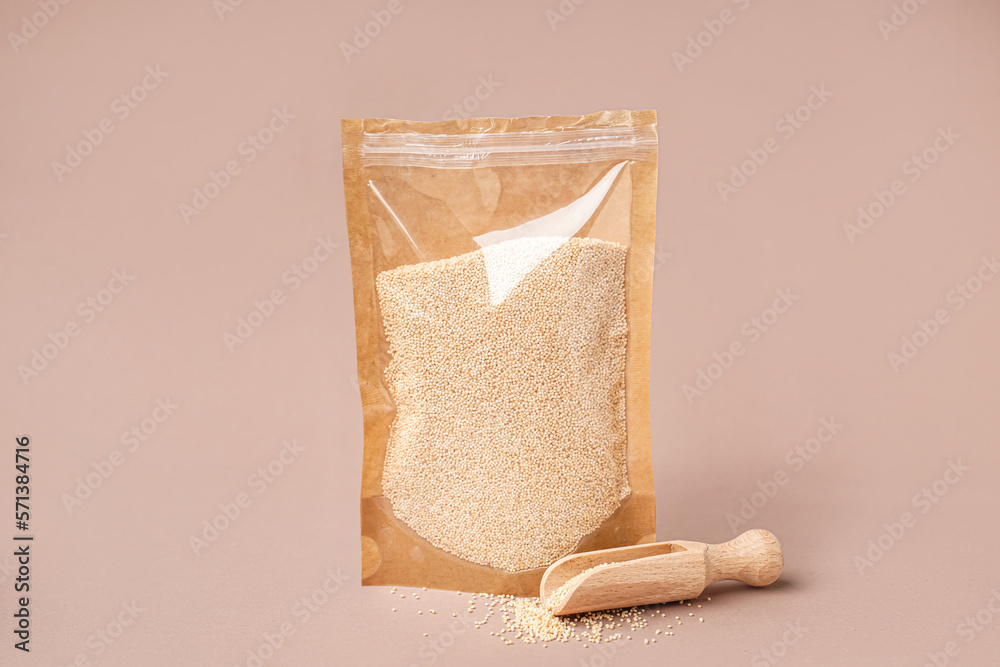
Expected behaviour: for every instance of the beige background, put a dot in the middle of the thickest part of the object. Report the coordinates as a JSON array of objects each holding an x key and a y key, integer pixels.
[{"x": 721, "y": 262}]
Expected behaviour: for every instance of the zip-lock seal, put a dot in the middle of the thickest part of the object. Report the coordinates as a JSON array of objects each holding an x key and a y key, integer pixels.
[{"x": 465, "y": 151}]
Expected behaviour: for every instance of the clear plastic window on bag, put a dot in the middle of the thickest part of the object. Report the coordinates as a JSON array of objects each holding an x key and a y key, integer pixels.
[{"x": 502, "y": 272}]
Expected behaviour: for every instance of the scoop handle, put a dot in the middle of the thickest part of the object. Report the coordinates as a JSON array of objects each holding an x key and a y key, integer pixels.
[{"x": 755, "y": 558}]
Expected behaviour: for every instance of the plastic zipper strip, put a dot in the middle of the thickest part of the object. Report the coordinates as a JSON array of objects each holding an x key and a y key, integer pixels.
[{"x": 464, "y": 151}]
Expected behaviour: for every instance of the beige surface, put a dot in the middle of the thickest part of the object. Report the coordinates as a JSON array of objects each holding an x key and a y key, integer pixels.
[{"x": 777, "y": 242}]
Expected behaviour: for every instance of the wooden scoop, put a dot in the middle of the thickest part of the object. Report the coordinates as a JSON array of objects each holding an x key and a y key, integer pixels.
[{"x": 660, "y": 572}]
